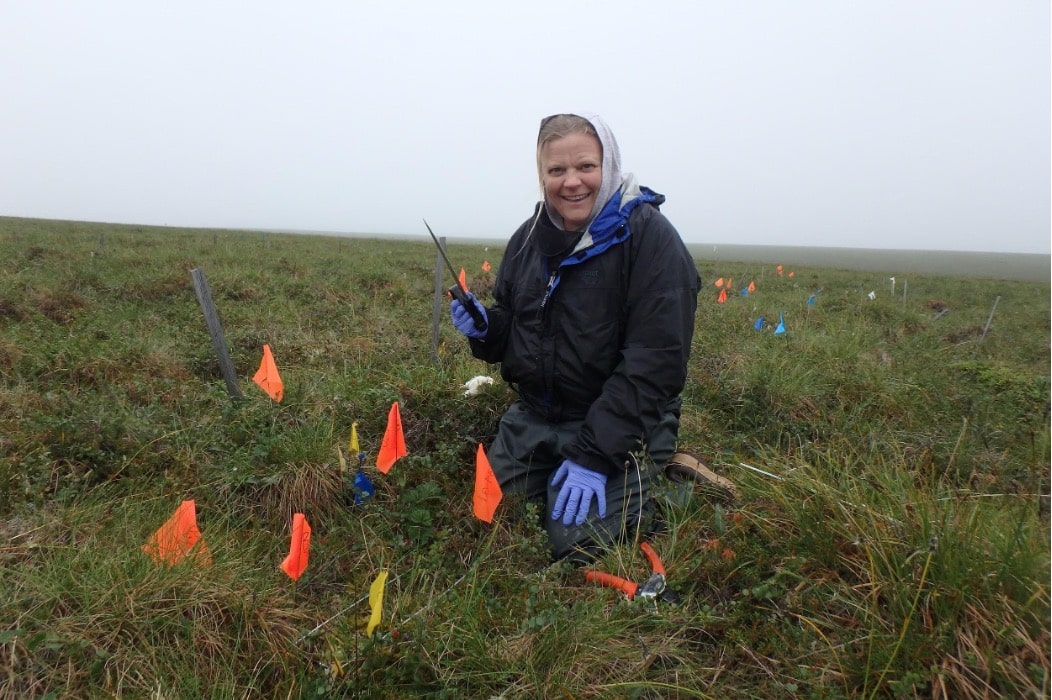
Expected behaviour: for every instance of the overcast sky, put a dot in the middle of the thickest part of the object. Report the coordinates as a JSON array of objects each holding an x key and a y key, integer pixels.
[{"x": 918, "y": 124}]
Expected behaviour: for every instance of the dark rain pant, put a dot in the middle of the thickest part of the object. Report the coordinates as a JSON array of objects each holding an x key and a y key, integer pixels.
[{"x": 528, "y": 450}]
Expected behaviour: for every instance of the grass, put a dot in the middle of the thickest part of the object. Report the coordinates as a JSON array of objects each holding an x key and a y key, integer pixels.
[{"x": 894, "y": 542}]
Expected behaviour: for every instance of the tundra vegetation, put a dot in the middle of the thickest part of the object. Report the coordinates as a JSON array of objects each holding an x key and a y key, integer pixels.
[{"x": 897, "y": 544}]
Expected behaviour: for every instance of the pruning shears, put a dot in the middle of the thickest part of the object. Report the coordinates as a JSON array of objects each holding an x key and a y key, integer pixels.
[{"x": 654, "y": 588}]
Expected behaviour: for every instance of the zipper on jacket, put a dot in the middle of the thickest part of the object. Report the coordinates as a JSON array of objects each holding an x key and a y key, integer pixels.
[{"x": 550, "y": 288}]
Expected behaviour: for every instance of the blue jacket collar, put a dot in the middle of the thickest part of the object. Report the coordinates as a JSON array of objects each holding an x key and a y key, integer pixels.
[{"x": 610, "y": 226}]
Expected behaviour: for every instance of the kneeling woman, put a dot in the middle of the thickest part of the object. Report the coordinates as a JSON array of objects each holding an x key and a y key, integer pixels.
[{"x": 591, "y": 323}]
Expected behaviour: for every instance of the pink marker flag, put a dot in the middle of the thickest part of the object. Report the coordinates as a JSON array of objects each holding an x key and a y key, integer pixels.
[{"x": 299, "y": 549}]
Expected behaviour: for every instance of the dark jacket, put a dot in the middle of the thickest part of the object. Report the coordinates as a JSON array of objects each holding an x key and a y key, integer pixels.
[{"x": 610, "y": 342}]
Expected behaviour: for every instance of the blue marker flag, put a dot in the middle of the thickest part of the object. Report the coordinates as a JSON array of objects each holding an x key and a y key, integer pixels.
[
  {"x": 781, "y": 325},
  {"x": 811, "y": 300},
  {"x": 759, "y": 324},
  {"x": 363, "y": 488}
]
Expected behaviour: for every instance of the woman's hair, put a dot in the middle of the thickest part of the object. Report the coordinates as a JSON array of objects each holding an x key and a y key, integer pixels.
[{"x": 556, "y": 127}]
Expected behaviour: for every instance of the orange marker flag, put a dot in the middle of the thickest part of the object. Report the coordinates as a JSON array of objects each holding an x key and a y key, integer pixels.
[
  {"x": 463, "y": 279},
  {"x": 485, "y": 266},
  {"x": 393, "y": 446},
  {"x": 752, "y": 287},
  {"x": 267, "y": 376},
  {"x": 722, "y": 297},
  {"x": 719, "y": 282},
  {"x": 487, "y": 490},
  {"x": 299, "y": 549},
  {"x": 177, "y": 538}
]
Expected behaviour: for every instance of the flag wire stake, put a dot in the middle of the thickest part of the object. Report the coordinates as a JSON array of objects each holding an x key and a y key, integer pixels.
[
  {"x": 336, "y": 615},
  {"x": 760, "y": 471},
  {"x": 366, "y": 597}
]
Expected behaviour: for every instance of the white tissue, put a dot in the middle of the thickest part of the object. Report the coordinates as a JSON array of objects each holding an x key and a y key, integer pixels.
[{"x": 474, "y": 385}]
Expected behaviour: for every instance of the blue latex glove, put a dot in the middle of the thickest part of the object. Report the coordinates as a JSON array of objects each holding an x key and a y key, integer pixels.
[
  {"x": 462, "y": 319},
  {"x": 575, "y": 496}
]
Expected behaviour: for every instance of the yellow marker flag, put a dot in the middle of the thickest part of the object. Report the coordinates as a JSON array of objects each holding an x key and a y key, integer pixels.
[
  {"x": 376, "y": 602},
  {"x": 355, "y": 449}
]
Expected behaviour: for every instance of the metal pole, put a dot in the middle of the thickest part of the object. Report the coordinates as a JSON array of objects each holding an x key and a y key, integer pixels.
[
  {"x": 989, "y": 319},
  {"x": 436, "y": 311},
  {"x": 204, "y": 296}
]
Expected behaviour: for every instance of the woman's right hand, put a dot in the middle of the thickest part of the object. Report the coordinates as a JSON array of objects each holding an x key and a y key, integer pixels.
[{"x": 462, "y": 320}]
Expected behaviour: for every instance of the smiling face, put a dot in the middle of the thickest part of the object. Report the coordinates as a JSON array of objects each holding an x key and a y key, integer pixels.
[{"x": 571, "y": 174}]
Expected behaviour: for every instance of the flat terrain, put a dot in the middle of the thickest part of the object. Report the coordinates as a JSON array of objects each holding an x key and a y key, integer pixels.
[{"x": 891, "y": 453}]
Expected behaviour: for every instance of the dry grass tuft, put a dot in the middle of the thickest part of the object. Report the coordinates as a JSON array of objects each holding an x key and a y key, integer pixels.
[
  {"x": 972, "y": 673},
  {"x": 60, "y": 307},
  {"x": 314, "y": 489}
]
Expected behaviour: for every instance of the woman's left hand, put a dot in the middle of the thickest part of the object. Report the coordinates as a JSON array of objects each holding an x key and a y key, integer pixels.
[{"x": 575, "y": 496}]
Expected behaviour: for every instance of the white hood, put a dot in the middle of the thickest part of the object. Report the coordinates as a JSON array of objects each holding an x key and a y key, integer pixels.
[{"x": 612, "y": 177}]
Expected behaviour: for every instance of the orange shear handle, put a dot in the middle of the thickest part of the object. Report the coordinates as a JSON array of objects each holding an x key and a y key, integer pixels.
[
  {"x": 624, "y": 585},
  {"x": 655, "y": 561}
]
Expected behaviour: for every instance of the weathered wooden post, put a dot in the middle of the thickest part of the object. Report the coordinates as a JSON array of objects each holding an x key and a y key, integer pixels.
[
  {"x": 436, "y": 311},
  {"x": 204, "y": 296}
]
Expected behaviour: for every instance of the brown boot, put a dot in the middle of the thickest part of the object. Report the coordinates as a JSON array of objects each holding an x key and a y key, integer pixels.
[{"x": 683, "y": 467}]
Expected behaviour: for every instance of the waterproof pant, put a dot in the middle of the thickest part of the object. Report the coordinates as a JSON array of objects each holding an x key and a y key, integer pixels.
[{"x": 528, "y": 450}]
